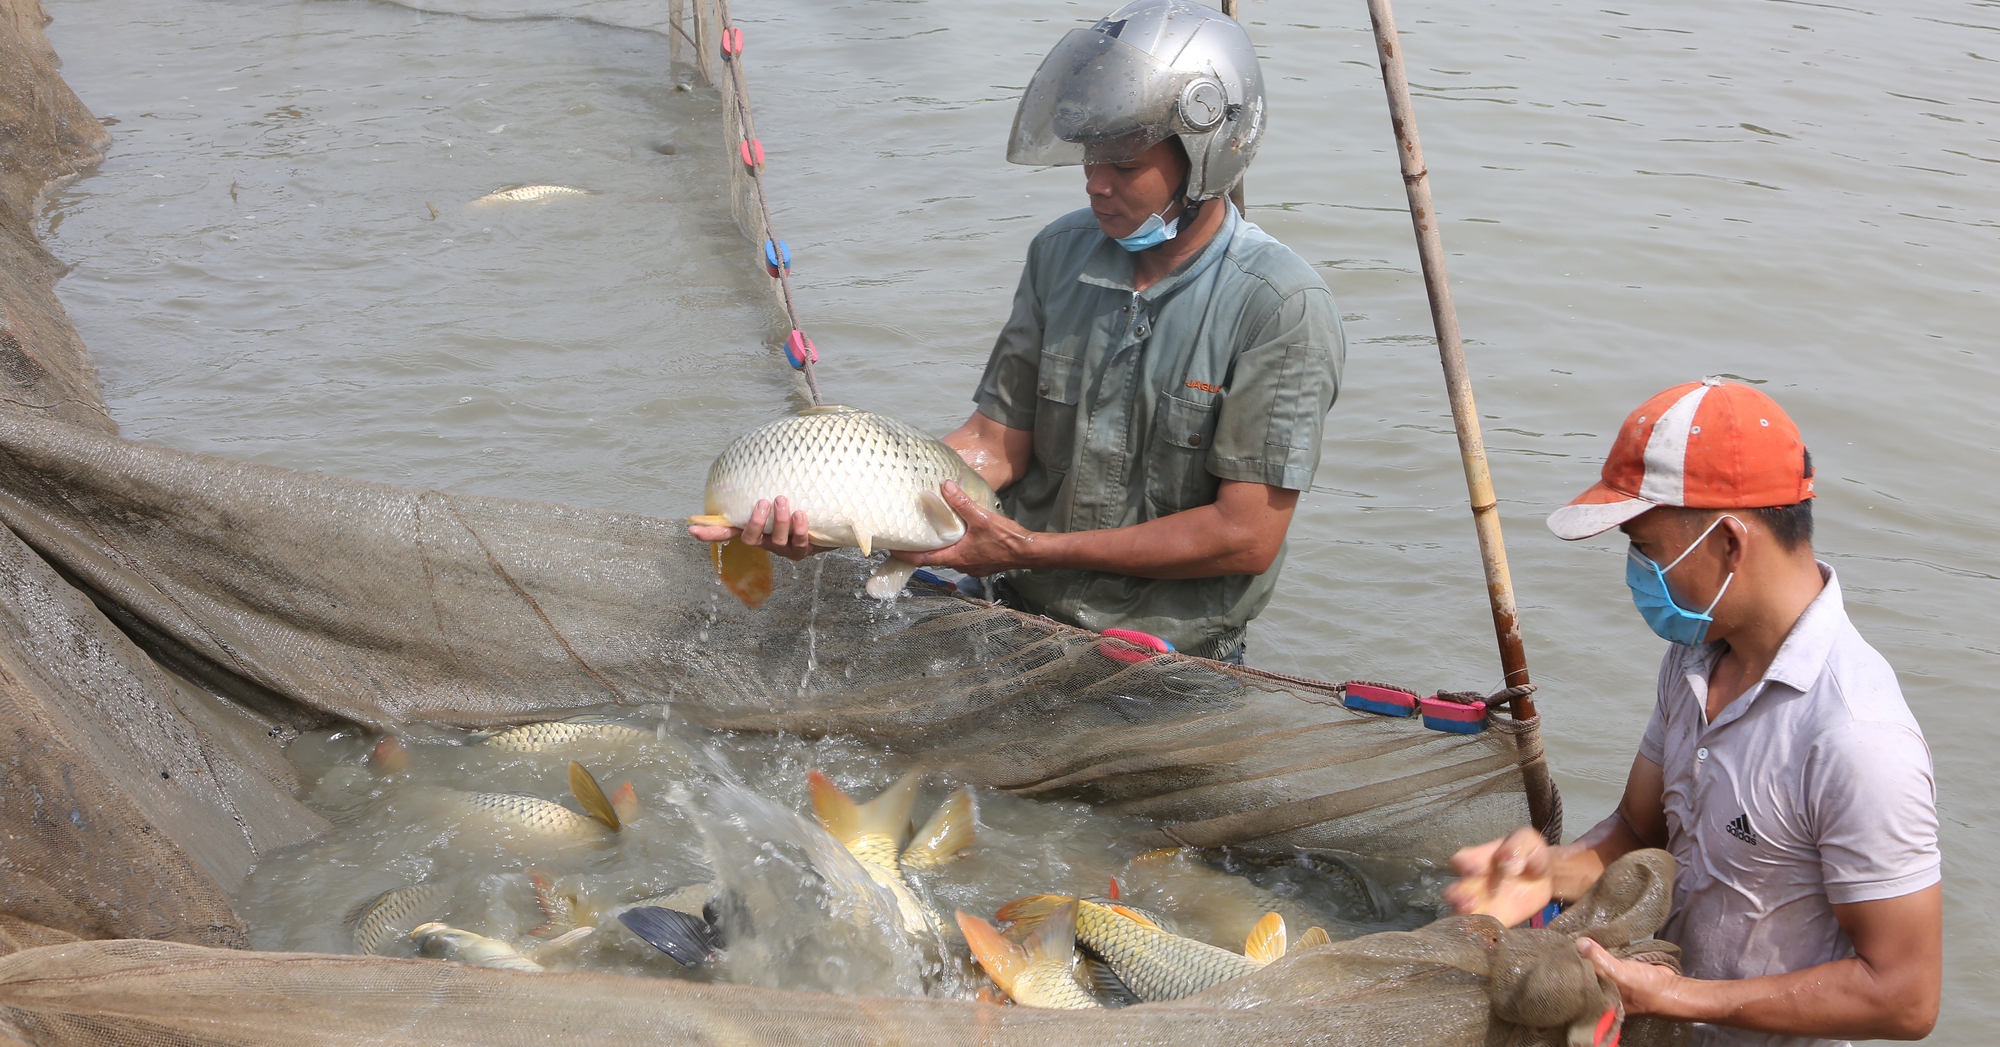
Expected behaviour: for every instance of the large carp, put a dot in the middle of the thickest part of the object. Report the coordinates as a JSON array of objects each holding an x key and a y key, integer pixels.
[{"x": 863, "y": 480}]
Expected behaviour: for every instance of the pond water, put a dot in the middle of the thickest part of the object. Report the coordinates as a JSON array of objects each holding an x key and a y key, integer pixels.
[{"x": 1633, "y": 195}]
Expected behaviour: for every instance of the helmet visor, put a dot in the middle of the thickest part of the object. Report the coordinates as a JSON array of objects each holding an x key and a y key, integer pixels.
[{"x": 1095, "y": 100}]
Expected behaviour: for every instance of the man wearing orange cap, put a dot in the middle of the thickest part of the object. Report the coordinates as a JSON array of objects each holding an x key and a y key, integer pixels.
[{"x": 1781, "y": 766}]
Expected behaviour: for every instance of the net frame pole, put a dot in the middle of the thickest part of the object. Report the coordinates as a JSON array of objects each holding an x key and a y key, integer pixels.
[{"x": 1451, "y": 350}]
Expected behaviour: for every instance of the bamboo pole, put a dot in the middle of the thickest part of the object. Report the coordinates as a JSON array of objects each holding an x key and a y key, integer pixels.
[{"x": 1464, "y": 416}]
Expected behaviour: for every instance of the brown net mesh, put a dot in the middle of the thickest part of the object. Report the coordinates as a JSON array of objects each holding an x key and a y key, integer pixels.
[{"x": 132, "y": 801}]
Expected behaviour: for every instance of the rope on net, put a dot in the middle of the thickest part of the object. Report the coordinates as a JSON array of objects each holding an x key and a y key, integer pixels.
[{"x": 799, "y": 349}]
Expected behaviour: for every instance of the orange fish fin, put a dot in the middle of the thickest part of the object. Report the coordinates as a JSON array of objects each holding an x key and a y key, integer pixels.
[
  {"x": 625, "y": 801},
  {"x": 390, "y": 755},
  {"x": 558, "y": 912},
  {"x": 1267, "y": 939},
  {"x": 1136, "y": 916},
  {"x": 1028, "y": 913},
  {"x": 1003, "y": 960},
  {"x": 745, "y": 570},
  {"x": 948, "y": 832},
  {"x": 1055, "y": 939},
  {"x": 1316, "y": 936},
  {"x": 710, "y": 520}
]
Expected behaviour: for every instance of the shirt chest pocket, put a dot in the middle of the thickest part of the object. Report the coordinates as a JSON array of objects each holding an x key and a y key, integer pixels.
[
  {"x": 1177, "y": 475},
  {"x": 1058, "y": 386}
]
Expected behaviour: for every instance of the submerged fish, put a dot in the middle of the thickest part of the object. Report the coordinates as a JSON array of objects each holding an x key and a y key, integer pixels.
[
  {"x": 862, "y": 479},
  {"x": 677, "y": 923},
  {"x": 550, "y": 820},
  {"x": 1218, "y": 905},
  {"x": 530, "y": 194},
  {"x": 874, "y": 833},
  {"x": 391, "y": 915},
  {"x": 556, "y": 734},
  {"x": 1154, "y": 964},
  {"x": 450, "y": 943},
  {"x": 1041, "y": 973}
]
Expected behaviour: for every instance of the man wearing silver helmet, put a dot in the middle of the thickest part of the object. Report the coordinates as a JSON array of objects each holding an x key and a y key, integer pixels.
[{"x": 1153, "y": 407}]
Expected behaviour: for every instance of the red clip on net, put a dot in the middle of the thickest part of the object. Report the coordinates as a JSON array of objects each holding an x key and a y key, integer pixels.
[
  {"x": 753, "y": 153},
  {"x": 732, "y": 43},
  {"x": 799, "y": 349}
]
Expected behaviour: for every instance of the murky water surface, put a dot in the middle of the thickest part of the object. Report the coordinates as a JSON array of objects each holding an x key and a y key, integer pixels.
[{"x": 1634, "y": 195}]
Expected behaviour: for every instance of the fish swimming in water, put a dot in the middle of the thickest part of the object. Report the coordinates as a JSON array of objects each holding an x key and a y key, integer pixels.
[
  {"x": 875, "y": 833},
  {"x": 678, "y": 923},
  {"x": 391, "y": 915},
  {"x": 1155, "y": 965},
  {"x": 862, "y": 479},
  {"x": 1039, "y": 974},
  {"x": 549, "y": 820},
  {"x": 530, "y": 194},
  {"x": 1216, "y": 905},
  {"x": 557, "y": 734},
  {"x": 446, "y": 942}
]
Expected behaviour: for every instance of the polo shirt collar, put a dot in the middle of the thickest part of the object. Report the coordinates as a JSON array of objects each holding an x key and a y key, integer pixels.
[
  {"x": 1111, "y": 265},
  {"x": 1800, "y": 659}
]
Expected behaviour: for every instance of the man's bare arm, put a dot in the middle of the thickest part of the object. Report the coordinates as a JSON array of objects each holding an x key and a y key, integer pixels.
[
  {"x": 1241, "y": 532},
  {"x": 1888, "y": 989},
  {"x": 1513, "y": 878},
  {"x": 998, "y": 453}
]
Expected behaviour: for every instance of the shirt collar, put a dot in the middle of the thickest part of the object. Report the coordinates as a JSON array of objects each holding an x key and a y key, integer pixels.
[
  {"x": 1111, "y": 265},
  {"x": 1800, "y": 659}
]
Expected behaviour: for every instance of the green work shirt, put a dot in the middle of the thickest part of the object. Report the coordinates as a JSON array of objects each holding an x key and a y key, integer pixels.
[{"x": 1143, "y": 402}]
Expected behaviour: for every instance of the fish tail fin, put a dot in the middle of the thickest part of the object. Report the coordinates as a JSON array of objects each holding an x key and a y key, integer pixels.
[
  {"x": 591, "y": 796},
  {"x": 1316, "y": 936},
  {"x": 625, "y": 801},
  {"x": 745, "y": 570},
  {"x": 1003, "y": 960},
  {"x": 889, "y": 578},
  {"x": 1055, "y": 940},
  {"x": 946, "y": 834},
  {"x": 690, "y": 940},
  {"x": 1027, "y": 914},
  {"x": 558, "y": 911},
  {"x": 1267, "y": 940}
]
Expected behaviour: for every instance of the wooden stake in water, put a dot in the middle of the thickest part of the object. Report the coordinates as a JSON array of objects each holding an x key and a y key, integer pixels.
[{"x": 1464, "y": 416}]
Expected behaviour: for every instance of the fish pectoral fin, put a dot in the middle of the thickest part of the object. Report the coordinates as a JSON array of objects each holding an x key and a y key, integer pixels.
[
  {"x": 1097, "y": 976},
  {"x": 710, "y": 520},
  {"x": 938, "y": 513},
  {"x": 1003, "y": 960},
  {"x": 1267, "y": 940},
  {"x": 864, "y": 541},
  {"x": 1316, "y": 936},
  {"x": 591, "y": 796},
  {"x": 946, "y": 834},
  {"x": 889, "y": 577},
  {"x": 688, "y": 939},
  {"x": 745, "y": 570}
]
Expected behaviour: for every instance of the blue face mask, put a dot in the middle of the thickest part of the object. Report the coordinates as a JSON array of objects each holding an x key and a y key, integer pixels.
[
  {"x": 1648, "y": 582},
  {"x": 1151, "y": 233}
]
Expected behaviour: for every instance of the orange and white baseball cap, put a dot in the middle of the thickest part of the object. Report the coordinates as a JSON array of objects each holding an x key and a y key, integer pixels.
[{"x": 1704, "y": 445}]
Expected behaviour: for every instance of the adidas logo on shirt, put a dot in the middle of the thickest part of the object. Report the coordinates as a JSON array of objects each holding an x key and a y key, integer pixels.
[{"x": 1740, "y": 828}]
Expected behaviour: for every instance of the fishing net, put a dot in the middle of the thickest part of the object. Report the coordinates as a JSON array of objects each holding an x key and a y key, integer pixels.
[{"x": 169, "y": 620}]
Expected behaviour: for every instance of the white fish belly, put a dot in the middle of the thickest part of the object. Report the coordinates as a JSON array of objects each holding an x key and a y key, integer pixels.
[{"x": 852, "y": 473}]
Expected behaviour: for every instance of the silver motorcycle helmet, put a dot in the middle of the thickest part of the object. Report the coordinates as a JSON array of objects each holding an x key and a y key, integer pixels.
[{"x": 1149, "y": 71}]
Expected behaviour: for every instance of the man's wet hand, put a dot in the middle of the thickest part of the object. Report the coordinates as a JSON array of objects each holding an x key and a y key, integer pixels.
[
  {"x": 1509, "y": 879},
  {"x": 991, "y": 543},
  {"x": 790, "y": 532}
]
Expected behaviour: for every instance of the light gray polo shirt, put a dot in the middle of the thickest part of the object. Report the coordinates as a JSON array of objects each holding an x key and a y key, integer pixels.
[
  {"x": 1812, "y": 789},
  {"x": 1143, "y": 402}
]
